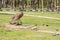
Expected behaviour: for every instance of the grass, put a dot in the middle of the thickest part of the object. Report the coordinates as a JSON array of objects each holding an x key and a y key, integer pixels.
[
  {"x": 49, "y": 14},
  {"x": 24, "y": 34},
  {"x": 53, "y": 24}
]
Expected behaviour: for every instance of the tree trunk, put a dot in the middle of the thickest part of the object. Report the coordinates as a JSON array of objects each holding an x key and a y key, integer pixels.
[
  {"x": 0, "y": 4},
  {"x": 38, "y": 3}
]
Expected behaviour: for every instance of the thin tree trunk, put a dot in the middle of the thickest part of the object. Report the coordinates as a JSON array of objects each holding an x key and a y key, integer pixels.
[
  {"x": 38, "y": 3},
  {"x": 0, "y": 4},
  {"x": 42, "y": 5}
]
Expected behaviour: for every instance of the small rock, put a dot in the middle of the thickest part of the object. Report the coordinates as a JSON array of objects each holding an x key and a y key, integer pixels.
[
  {"x": 57, "y": 33},
  {"x": 35, "y": 25},
  {"x": 45, "y": 25},
  {"x": 57, "y": 29},
  {"x": 34, "y": 28}
]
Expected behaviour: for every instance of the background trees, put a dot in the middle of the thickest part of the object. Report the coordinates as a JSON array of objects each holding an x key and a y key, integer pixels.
[{"x": 33, "y": 4}]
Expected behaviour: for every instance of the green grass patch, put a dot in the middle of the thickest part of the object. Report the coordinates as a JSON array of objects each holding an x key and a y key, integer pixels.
[
  {"x": 48, "y": 14},
  {"x": 24, "y": 34}
]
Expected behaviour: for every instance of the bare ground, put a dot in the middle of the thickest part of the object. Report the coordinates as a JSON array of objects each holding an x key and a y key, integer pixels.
[{"x": 24, "y": 26}]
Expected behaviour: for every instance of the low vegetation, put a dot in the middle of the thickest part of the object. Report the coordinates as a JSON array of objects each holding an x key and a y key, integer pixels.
[{"x": 27, "y": 34}]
